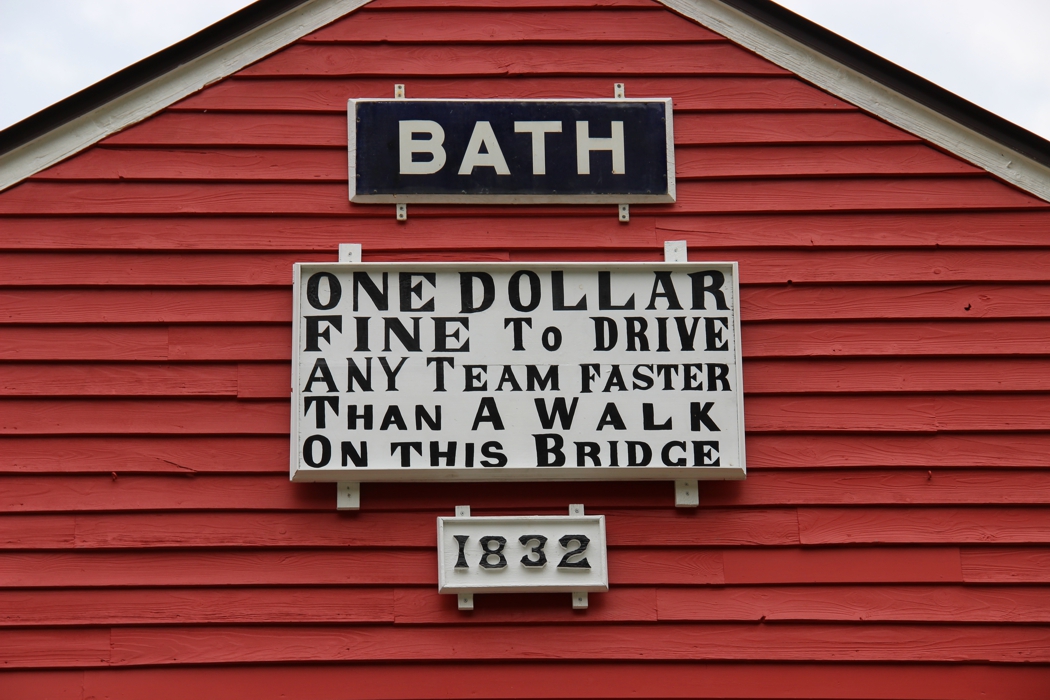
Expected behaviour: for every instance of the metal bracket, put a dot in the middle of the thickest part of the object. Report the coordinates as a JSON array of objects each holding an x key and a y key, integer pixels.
[
  {"x": 625, "y": 213},
  {"x": 348, "y": 495},
  {"x": 399, "y": 91},
  {"x": 618, "y": 91}
]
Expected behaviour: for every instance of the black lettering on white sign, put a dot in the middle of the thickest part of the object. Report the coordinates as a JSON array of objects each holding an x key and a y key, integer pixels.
[{"x": 517, "y": 372}]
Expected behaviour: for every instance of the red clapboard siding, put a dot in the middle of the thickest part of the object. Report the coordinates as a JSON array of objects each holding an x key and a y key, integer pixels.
[
  {"x": 972, "y": 374},
  {"x": 328, "y": 131},
  {"x": 248, "y": 342},
  {"x": 1006, "y": 564},
  {"x": 414, "y": 606},
  {"x": 273, "y": 165},
  {"x": 167, "y": 269},
  {"x": 240, "y": 305},
  {"x": 1014, "y": 604},
  {"x": 48, "y": 379},
  {"x": 913, "y": 564},
  {"x": 160, "y": 492},
  {"x": 245, "y": 380},
  {"x": 305, "y": 605},
  {"x": 563, "y": 26},
  {"x": 887, "y": 266},
  {"x": 328, "y": 199},
  {"x": 594, "y": 229},
  {"x": 783, "y": 128},
  {"x": 875, "y": 338},
  {"x": 972, "y": 524},
  {"x": 237, "y": 529},
  {"x": 219, "y": 416},
  {"x": 198, "y": 606},
  {"x": 305, "y": 95},
  {"x": 464, "y": 59},
  {"x": 134, "y": 646},
  {"x": 749, "y": 161},
  {"x": 918, "y": 228},
  {"x": 144, "y": 343},
  {"x": 21, "y": 343},
  {"x": 420, "y": 680},
  {"x": 205, "y": 491},
  {"x": 109, "y": 305},
  {"x": 775, "y": 303},
  {"x": 903, "y": 413},
  {"x": 136, "y": 492},
  {"x": 765, "y": 680},
  {"x": 155, "y": 568},
  {"x": 891, "y": 451},
  {"x": 108, "y": 454},
  {"x": 881, "y": 487},
  {"x": 208, "y": 129}
]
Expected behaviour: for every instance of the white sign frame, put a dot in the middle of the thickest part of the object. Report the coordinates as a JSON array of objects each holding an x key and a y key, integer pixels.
[
  {"x": 515, "y": 577},
  {"x": 299, "y": 472}
]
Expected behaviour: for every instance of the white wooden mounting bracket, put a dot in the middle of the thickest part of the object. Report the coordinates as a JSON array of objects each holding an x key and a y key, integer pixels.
[
  {"x": 624, "y": 210},
  {"x": 465, "y": 601},
  {"x": 579, "y": 598},
  {"x": 349, "y": 252},
  {"x": 686, "y": 491},
  {"x": 348, "y": 493},
  {"x": 400, "y": 210}
]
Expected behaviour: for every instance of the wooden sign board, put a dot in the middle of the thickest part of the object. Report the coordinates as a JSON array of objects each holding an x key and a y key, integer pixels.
[
  {"x": 511, "y": 151},
  {"x": 525, "y": 554},
  {"x": 516, "y": 372}
]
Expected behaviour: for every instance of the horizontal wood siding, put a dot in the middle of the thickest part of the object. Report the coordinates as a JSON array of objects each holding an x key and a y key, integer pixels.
[{"x": 892, "y": 539}]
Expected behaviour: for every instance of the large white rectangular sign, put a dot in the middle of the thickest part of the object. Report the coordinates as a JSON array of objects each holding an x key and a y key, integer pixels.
[
  {"x": 526, "y": 554},
  {"x": 516, "y": 372}
]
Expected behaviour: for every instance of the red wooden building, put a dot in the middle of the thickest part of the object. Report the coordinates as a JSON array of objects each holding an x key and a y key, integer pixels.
[{"x": 891, "y": 540}]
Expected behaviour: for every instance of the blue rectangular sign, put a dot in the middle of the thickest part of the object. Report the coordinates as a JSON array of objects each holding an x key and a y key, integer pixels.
[{"x": 515, "y": 151}]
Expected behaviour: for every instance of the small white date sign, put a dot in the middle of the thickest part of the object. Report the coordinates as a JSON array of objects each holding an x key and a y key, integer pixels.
[{"x": 522, "y": 554}]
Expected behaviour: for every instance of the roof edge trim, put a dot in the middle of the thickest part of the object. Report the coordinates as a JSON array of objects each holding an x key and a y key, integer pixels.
[
  {"x": 150, "y": 97},
  {"x": 870, "y": 95}
]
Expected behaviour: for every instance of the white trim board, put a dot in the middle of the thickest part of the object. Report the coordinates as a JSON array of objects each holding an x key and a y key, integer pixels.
[
  {"x": 809, "y": 64},
  {"x": 146, "y": 100},
  {"x": 868, "y": 94}
]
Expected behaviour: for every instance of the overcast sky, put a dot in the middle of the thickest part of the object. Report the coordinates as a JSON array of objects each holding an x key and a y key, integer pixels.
[{"x": 993, "y": 53}]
